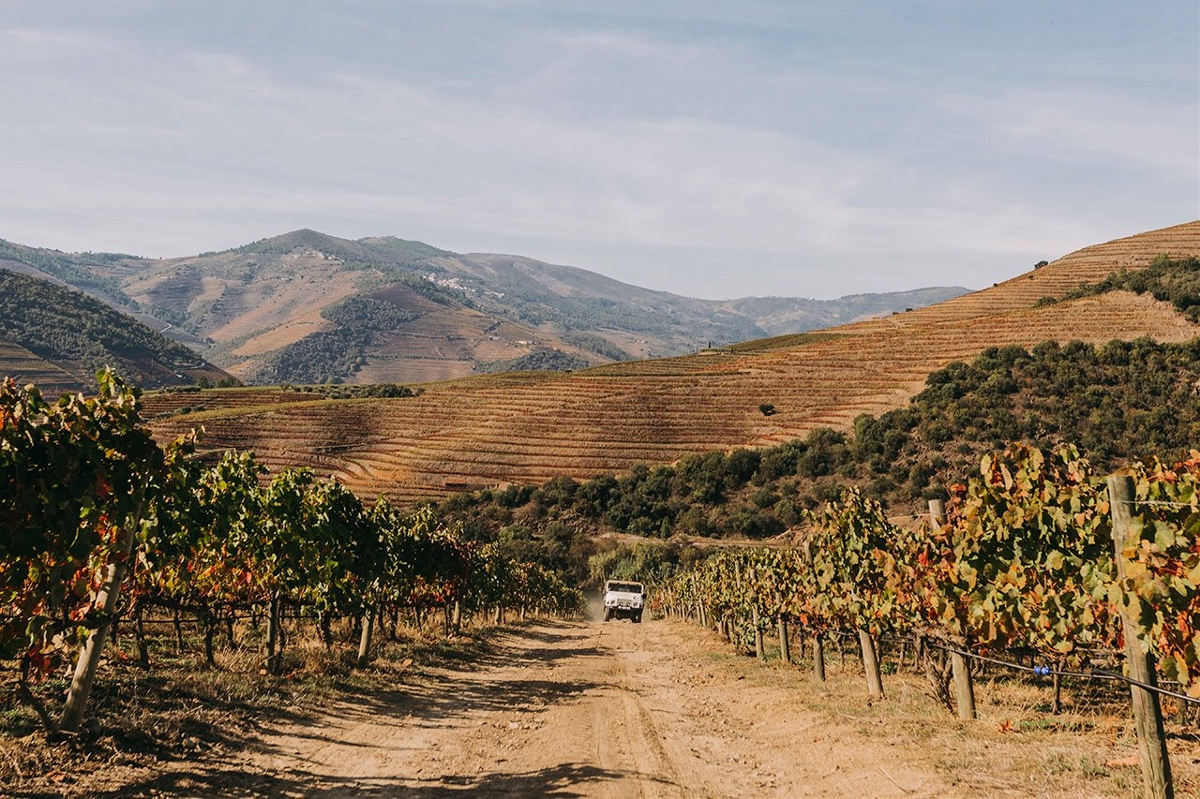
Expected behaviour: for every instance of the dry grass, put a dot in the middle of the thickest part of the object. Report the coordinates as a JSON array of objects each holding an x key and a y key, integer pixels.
[
  {"x": 179, "y": 710},
  {"x": 1016, "y": 747}
]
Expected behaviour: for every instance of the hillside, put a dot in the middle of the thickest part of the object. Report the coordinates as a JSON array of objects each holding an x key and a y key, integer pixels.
[
  {"x": 1117, "y": 403},
  {"x": 527, "y": 428},
  {"x": 59, "y": 338},
  {"x": 276, "y": 310},
  {"x": 777, "y": 316}
]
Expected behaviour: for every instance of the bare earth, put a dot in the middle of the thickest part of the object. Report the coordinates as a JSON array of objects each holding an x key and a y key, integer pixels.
[
  {"x": 661, "y": 709},
  {"x": 584, "y": 709}
]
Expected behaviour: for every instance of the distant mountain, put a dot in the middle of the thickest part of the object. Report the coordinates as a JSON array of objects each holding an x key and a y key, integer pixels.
[
  {"x": 60, "y": 337},
  {"x": 307, "y": 307},
  {"x": 778, "y": 316}
]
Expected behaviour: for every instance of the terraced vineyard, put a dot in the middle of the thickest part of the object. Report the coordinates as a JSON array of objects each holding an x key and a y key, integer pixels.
[
  {"x": 529, "y": 427},
  {"x": 28, "y": 368}
]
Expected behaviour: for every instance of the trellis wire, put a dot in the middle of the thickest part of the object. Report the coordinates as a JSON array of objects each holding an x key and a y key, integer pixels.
[
  {"x": 1048, "y": 671},
  {"x": 1041, "y": 671}
]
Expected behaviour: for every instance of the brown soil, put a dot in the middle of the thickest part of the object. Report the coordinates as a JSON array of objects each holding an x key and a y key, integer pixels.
[{"x": 661, "y": 709}]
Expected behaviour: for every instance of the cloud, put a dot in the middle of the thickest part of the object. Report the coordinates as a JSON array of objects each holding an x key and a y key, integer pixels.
[
  {"x": 1082, "y": 126},
  {"x": 218, "y": 121},
  {"x": 657, "y": 142}
]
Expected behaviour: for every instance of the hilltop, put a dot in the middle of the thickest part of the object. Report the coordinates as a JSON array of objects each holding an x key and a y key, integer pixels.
[
  {"x": 530, "y": 427},
  {"x": 59, "y": 338},
  {"x": 306, "y": 307}
]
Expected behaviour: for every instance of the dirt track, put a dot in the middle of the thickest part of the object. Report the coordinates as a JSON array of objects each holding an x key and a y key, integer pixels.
[{"x": 582, "y": 709}]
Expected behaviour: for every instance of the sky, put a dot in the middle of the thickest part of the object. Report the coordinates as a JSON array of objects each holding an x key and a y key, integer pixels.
[{"x": 711, "y": 149}]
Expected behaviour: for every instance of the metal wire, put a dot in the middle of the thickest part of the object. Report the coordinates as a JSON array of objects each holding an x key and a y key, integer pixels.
[
  {"x": 1047, "y": 671},
  {"x": 1162, "y": 502}
]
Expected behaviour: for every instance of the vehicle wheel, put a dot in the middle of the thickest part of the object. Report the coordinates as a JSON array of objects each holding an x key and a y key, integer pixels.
[
  {"x": 637, "y": 618},
  {"x": 607, "y": 614}
]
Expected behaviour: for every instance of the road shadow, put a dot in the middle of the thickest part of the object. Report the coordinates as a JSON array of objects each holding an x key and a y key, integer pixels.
[
  {"x": 562, "y": 781},
  {"x": 508, "y": 676},
  {"x": 506, "y": 670}
]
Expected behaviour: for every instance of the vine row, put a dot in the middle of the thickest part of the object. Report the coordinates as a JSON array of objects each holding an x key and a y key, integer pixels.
[{"x": 97, "y": 521}]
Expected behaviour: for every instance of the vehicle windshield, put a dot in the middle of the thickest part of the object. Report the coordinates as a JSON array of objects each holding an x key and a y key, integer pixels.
[{"x": 625, "y": 588}]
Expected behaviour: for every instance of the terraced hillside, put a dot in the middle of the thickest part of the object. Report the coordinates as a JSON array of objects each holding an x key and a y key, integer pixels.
[
  {"x": 25, "y": 367},
  {"x": 529, "y": 427}
]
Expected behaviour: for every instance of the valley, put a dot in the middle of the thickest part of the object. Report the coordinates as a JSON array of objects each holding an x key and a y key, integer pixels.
[
  {"x": 624, "y": 400},
  {"x": 485, "y": 679}
]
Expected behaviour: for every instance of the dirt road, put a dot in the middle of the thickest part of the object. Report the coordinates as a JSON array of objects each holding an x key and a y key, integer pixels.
[{"x": 583, "y": 709}]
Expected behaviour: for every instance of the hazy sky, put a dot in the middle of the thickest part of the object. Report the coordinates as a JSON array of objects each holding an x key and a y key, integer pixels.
[{"x": 708, "y": 148}]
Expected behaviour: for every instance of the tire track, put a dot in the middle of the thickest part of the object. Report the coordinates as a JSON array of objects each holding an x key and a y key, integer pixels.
[
  {"x": 629, "y": 740},
  {"x": 612, "y": 710}
]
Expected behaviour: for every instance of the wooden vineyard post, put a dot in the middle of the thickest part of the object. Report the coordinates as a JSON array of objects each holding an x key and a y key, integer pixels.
[
  {"x": 964, "y": 689},
  {"x": 817, "y": 644},
  {"x": 93, "y": 647},
  {"x": 364, "y": 643},
  {"x": 139, "y": 633},
  {"x": 1147, "y": 714},
  {"x": 274, "y": 642},
  {"x": 818, "y": 648},
  {"x": 785, "y": 650},
  {"x": 178, "y": 622},
  {"x": 871, "y": 664},
  {"x": 759, "y": 650}
]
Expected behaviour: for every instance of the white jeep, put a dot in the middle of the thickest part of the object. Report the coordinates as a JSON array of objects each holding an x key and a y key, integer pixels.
[{"x": 624, "y": 600}]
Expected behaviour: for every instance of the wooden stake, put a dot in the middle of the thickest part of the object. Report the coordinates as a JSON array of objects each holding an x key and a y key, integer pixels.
[
  {"x": 871, "y": 664},
  {"x": 139, "y": 631},
  {"x": 274, "y": 639},
  {"x": 93, "y": 647},
  {"x": 364, "y": 643},
  {"x": 759, "y": 651},
  {"x": 964, "y": 690},
  {"x": 178, "y": 631},
  {"x": 1147, "y": 714}
]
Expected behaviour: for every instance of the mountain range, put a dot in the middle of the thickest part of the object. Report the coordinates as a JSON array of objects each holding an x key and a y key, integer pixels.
[{"x": 308, "y": 308}]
